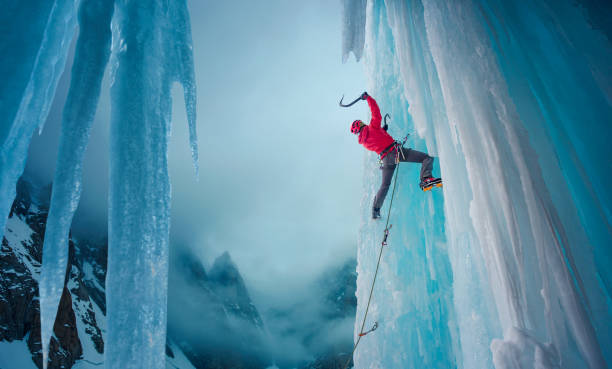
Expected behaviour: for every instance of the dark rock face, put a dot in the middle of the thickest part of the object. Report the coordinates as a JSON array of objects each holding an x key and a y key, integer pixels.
[{"x": 20, "y": 261}]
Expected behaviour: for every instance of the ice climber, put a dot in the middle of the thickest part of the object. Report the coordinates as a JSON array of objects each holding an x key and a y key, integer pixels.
[{"x": 375, "y": 138}]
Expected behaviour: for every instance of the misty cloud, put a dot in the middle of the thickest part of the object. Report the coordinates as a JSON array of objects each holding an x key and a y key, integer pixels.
[{"x": 280, "y": 179}]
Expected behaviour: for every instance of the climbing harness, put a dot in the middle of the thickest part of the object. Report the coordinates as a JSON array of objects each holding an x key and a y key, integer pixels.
[
  {"x": 382, "y": 246},
  {"x": 396, "y": 145}
]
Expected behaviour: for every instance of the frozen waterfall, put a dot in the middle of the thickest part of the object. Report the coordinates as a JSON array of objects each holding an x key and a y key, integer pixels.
[{"x": 508, "y": 265}]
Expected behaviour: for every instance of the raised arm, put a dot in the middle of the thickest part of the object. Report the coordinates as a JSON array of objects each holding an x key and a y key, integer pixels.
[{"x": 376, "y": 117}]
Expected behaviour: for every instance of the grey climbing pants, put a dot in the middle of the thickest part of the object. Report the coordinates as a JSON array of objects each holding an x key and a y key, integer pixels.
[{"x": 388, "y": 167}]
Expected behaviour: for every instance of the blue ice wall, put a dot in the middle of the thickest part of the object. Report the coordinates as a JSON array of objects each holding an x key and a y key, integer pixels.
[{"x": 506, "y": 266}]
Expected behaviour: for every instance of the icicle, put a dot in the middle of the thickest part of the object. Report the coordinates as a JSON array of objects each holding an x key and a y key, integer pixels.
[
  {"x": 36, "y": 99},
  {"x": 91, "y": 57},
  {"x": 186, "y": 75},
  {"x": 148, "y": 64},
  {"x": 353, "y": 28}
]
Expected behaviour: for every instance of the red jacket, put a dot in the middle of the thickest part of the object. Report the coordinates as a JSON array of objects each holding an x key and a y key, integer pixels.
[{"x": 373, "y": 137}]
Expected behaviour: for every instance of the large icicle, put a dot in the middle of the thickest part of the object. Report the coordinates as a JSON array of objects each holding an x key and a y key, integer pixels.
[
  {"x": 91, "y": 57},
  {"x": 151, "y": 55},
  {"x": 353, "y": 30},
  {"x": 186, "y": 76},
  {"x": 36, "y": 99},
  {"x": 514, "y": 99}
]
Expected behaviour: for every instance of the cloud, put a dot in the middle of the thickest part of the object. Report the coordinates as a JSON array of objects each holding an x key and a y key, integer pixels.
[{"x": 280, "y": 180}]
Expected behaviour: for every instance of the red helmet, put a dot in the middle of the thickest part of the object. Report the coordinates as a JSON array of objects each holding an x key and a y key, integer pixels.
[{"x": 356, "y": 126}]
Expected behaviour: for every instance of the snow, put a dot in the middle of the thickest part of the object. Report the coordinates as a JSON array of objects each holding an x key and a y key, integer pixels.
[
  {"x": 88, "y": 274},
  {"x": 15, "y": 355},
  {"x": 508, "y": 265},
  {"x": 81, "y": 309},
  {"x": 91, "y": 357},
  {"x": 18, "y": 234}
]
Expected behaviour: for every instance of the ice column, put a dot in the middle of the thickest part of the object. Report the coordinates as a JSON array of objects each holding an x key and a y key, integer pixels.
[
  {"x": 91, "y": 57},
  {"x": 153, "y": 51}
]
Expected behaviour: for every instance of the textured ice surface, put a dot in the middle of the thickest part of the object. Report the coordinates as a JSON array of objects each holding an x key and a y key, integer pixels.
[
  {"x": 508, "y": 265},
  {"x": 91, "y": 56},
  {"x": 152, "y": 46}
]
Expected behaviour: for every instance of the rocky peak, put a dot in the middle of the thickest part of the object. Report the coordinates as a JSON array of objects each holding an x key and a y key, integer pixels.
[
  {"x": 228, "y": 284},
  {"x": 225, "y": 274}
]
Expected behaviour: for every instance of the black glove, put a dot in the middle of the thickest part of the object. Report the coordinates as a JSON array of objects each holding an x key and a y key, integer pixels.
[
  {"x": 386, "y": 127},
  {"x": 364, "y": 96}
]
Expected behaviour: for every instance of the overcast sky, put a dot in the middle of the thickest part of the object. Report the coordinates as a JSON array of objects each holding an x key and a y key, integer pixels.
[{"x": 280, "y": 173}]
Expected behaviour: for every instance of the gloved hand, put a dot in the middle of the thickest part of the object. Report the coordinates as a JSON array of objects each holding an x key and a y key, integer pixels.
[
  {"x": 364, "y": 96},
  {"x": 385, "y": 127}
]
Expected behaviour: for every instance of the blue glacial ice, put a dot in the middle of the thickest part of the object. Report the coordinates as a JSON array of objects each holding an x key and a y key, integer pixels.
[{"x": 508, "y": 265}]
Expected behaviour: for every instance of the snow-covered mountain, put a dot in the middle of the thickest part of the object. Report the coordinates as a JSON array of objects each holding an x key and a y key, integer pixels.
[
  {"x": 78, "y": 340},
  {"x": 212, "y": 322},
  {"x": 79, "y": 326}
]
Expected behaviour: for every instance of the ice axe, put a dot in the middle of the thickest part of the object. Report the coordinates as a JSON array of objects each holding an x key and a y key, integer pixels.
[{"x": 353, "y": 102}]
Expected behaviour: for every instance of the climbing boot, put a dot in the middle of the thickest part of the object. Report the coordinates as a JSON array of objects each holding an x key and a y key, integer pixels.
[{"x": 430, "y": 182}]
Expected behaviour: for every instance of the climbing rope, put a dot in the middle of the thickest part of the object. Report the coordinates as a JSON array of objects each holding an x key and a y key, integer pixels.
[{"x": 382, "y": 245}]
